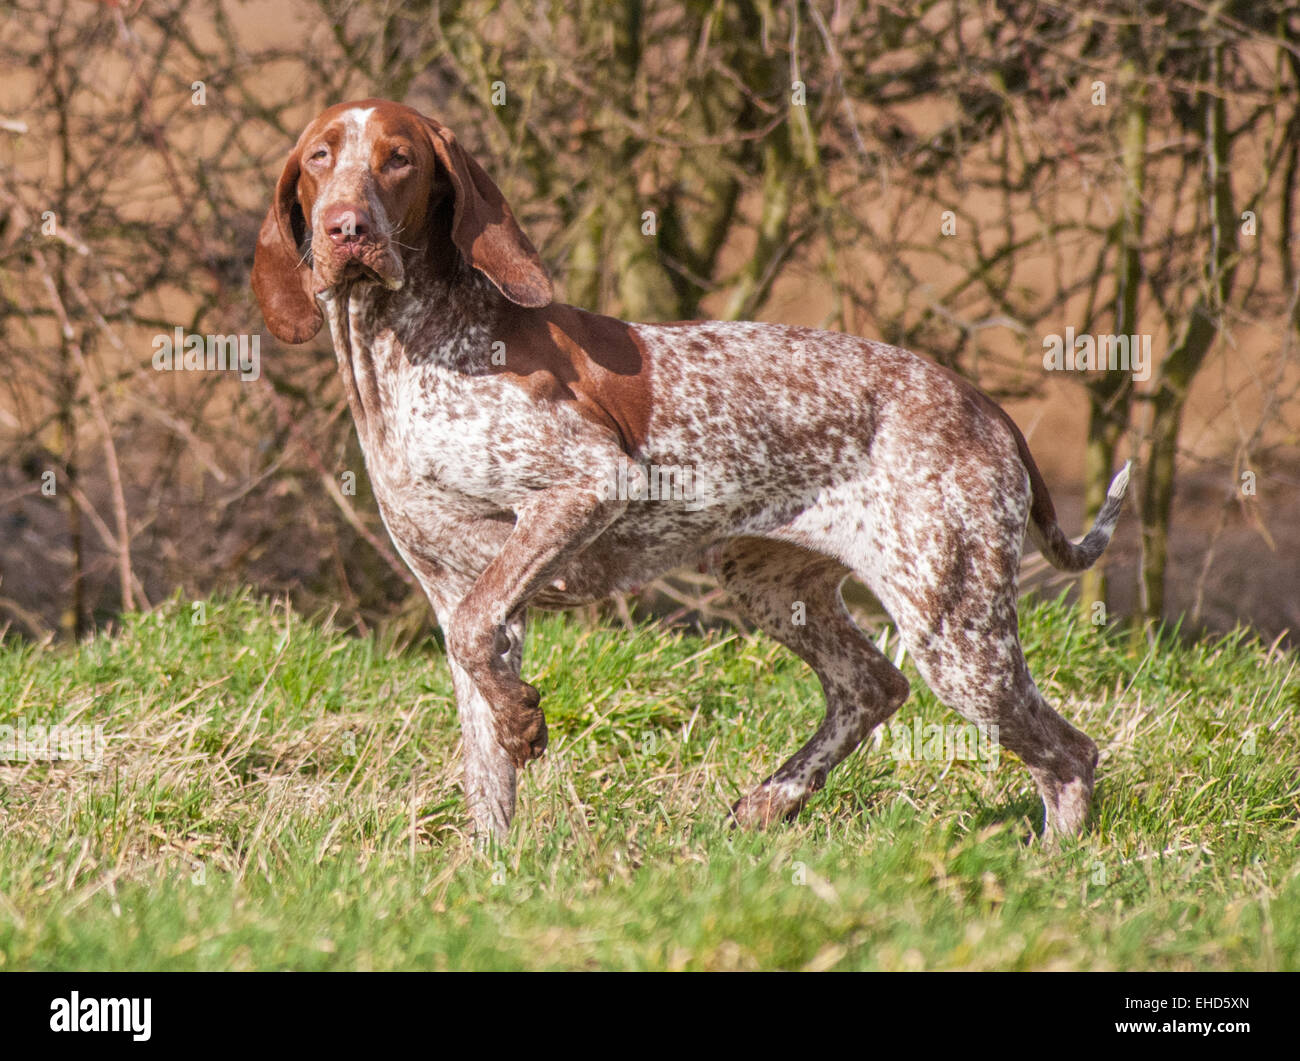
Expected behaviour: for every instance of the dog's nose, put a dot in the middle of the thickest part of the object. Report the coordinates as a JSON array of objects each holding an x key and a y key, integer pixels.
[{"x": 346, "y": 223}]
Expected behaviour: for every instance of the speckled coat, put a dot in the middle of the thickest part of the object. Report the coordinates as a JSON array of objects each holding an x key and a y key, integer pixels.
[{"x": 498, "y": 425}]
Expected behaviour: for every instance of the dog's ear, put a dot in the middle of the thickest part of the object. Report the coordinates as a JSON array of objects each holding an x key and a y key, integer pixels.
[
  {"x": 281, "y": 276},
  {"x": 484, "y": 228}
]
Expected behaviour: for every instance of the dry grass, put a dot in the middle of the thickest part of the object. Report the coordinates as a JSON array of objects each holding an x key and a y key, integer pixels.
[{"x": 276, "y": 794}]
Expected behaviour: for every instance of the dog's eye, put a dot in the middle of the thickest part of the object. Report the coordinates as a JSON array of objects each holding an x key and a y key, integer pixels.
[
  {"x": 319, "y": 154},
  {"x": 397, "y": 160}
]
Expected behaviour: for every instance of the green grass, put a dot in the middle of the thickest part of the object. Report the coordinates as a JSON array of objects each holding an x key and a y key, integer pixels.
[{"x": 276, "y": 794}]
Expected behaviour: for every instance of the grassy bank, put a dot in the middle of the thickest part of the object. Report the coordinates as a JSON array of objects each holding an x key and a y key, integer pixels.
[{"x": 274, "y": 794}]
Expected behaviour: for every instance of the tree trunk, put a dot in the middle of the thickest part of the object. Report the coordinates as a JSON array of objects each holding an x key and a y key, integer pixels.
[
  {"x": 1200, "y": 328},
  {"x": 1111, "y": 394}
]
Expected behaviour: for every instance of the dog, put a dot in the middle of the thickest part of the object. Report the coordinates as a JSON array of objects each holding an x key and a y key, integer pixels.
[{"x": 515, "y": 444}]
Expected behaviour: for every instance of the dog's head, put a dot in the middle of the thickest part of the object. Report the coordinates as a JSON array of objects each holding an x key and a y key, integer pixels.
[{"x": 368, "y": 187}]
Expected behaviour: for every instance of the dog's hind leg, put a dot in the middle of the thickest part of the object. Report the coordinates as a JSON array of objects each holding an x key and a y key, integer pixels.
[
  {"x": 944, "y": 564},
  {"x": 794, "y": 596}
]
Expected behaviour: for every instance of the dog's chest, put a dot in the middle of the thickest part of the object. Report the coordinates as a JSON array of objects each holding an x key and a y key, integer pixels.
[{"x": 473, "y": 442}]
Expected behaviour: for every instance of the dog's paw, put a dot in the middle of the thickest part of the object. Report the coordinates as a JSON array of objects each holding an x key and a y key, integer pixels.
[
  {"x": 520, "y": 724},
  {"x": 766, "y": 805}
]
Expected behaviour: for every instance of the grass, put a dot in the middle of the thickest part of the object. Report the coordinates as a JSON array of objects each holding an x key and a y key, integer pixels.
[{"x": 275, "y": 794}]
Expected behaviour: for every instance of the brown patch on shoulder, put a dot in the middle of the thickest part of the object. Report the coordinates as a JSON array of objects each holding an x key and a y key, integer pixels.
[{"x": 561, "y": 353}]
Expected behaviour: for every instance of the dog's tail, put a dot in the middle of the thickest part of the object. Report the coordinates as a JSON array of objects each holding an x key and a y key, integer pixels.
[
  {"x": 1046, "y": 533},
  {"x": 1048, "y": 536}
]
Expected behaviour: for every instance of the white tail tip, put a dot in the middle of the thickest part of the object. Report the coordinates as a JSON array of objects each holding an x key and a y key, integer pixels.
[{"x": 1120, "y": 483}]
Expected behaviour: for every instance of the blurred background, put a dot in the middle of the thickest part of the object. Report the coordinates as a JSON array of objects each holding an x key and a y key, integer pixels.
[{"x": 963, "y": 179}]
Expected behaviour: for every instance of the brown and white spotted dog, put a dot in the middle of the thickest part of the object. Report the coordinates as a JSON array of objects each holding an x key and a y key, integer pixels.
[{"x": 497, "y": 425}]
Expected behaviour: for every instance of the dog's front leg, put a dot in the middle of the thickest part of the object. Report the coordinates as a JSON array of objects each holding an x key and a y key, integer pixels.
[
  {"x": 489, "y": 773},
  {"x": 548, "y": 532}
]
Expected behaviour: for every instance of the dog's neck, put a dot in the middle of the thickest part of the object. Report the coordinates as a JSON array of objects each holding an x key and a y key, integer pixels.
[{"x": 442, "y": 320}]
